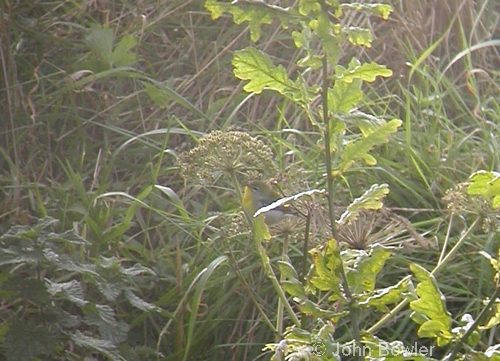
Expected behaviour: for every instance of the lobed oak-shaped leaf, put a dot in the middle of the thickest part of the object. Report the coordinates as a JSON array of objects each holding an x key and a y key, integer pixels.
[
  {"x": 487, "y": 185},
  {"x": 358, "y": 149},
  {"x": 371, "y": 199},
  {"x": 434, "y": 319}
]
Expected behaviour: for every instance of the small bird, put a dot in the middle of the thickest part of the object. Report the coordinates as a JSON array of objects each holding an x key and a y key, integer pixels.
[{"x": 257, "y": 195}]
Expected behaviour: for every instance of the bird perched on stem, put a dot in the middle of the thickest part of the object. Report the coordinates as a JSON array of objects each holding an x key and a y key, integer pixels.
[{"x": 258, "y": 194}]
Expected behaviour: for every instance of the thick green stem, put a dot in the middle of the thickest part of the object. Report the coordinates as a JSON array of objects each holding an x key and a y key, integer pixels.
[
  {"x": 331, "y": 206},
  {"x": 279, "y": 314}
]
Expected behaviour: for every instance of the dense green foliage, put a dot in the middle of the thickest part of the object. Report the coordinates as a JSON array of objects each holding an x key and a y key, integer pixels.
[{"x": 128, "y": 137}]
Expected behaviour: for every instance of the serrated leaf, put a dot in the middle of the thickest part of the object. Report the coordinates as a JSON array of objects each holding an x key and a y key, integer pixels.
[
  {"x": 63, "y": 262},
  {"x": 104, "y": 346},
  {"x": 69, "y": 237},
  {"x": 370, "y": 200},
  {"x": 358, "y": 149},
  {"x": 431, "y": 304},
  {"x": 363, "y": 276},
  {"x": 137, "y": 270},
  {"x": 139, "y": 303},
  {"x": 71, "y": 291},
  {"x": 487, "y": 185},
  {"x": 26, "y": 340}
]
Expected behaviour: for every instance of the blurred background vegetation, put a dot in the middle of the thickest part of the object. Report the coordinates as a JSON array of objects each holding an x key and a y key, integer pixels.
[{"x": 99, "y": 97}]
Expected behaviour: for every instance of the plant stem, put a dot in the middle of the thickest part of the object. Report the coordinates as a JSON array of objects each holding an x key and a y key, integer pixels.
[{"x": 331, "y": 207}]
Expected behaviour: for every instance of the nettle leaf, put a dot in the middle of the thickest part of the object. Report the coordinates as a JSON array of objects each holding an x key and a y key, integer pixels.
[
  {"x": 370, "y": 200},
  {"x": 327, "y": 263},
  {"x": 487, "y": 185},
  {"x": 64, "y": 262},
  {"x": 358, "y": 149},
  {"x": 139, "y": 303},
  {"x": 386, "y": 296},
  {"x": 71, "y": 291},
  {"x": 105, "y": 347},
  {"x": 256, "y": 67},
  {"x": 430, "y": 307},
  {"x": 69, "y": 237},
  {"x": 25, "y": 340},
  {"x": 363, "y": 276}
]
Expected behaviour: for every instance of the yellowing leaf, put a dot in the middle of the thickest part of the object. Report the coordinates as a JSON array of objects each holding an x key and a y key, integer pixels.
[
  {"x": 371, "y": 199},
  {"x": 358, "y": 149},
  {"x": 431, "y": 307}
]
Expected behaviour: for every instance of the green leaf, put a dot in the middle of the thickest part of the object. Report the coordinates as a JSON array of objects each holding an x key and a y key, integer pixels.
[
  {"x": 71, "y": 291},
  {"x": 122, "y": 56},
  {"x": 139, "y": 303},
  {"x": 358, "y": 149},
  {"x": 261, "y": 232},
  {"x": 370, "y": 200},
  {"x": 294, "y": 288},
  {"x": 344, "y": 96},
  {"x": 255, "y": 13},
  {"x": 386, "y": 296},
  {"x": 367, "y": 72},
  {"x": 256, "y": 67},
  {"x": 487, "y": 185},
  {"x": 26, "y": 340},
  {"x": 327, "y": 263},
  {"x": 363, "y": 276},
  {"x": 431, "y": 305},
  {"x": 290, "y": 282},
  {"x": 100, "y": 41},
  {"x": 287, "y": 270},
  {"x": 105, "y": 347},
  {"x": 327, "y": 33},
  {"x": 382, "y": 10}
]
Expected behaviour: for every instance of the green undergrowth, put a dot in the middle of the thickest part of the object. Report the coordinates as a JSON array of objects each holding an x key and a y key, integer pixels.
[{"x": 129, "y": 133}]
